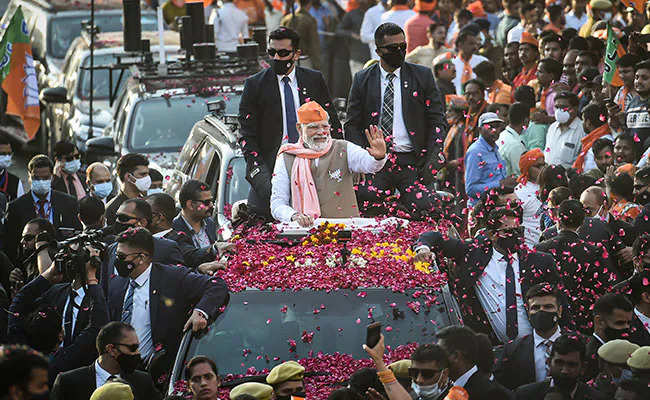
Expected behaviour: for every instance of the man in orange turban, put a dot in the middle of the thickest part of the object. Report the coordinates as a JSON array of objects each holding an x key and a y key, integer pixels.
[
  {"x": 314, "y": 177},
  {"x": 531, "y": 164}
]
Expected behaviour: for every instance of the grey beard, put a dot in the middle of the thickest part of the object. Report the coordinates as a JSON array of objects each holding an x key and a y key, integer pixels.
[{"x": 311, "y": 144}]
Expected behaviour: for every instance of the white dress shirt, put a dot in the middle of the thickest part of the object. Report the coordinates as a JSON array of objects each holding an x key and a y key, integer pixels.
[
  {"x": 527, "y": 194},
  {"x": 462, "y": 380},
  {"x": 401, "y": 138},
  {"x": 572, "y": 21},
  {"x": 229, "y": 23},
  {"x": 101, "y": 375},
  {"x": 398, "y": 17},
  {"x": 460, "y": 65},
  {"x": 590, "y": 161},
  {"x": 162, "y": 234},
  {"x": 514, "y": 34},
  {"x": 371, "y": 20},
  {"x": 491, "y": 293},
  {"x": 563, "y": 146},
  {"x": 359, "y": 160},
  {"x": 141, "y": 315},
  {"x": 293, "y": 83},
  {"x": 645, "y": 321},
  {"x": 542, "y": 353},
  {"x": 79, "y": 296}
]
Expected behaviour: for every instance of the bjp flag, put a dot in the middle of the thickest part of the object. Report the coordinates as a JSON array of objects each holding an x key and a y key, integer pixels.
[
  {"x": 17, "y": 73},
  {"x": 613, "y": 52},
  {"x": 636, "y": 4}
]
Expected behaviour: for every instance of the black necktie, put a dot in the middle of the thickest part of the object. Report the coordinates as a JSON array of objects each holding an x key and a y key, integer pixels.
[
  {"x": 72, "y": 190},
  {"x": 67, "y": 319},
  {"x": 290, "y": 111},
  {"x": 511, "y": 301}
]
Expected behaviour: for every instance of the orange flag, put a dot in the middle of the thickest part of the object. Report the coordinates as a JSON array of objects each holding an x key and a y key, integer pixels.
[{"x": 637, "y": 4}]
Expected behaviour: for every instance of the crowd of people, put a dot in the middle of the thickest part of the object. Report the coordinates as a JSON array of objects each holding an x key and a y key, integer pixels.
[{"x": 526, "y": 124}]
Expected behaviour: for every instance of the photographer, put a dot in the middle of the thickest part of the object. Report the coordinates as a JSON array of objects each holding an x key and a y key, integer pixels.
[
  {"x": 60, "y": 319},
  {"x": 27, "y": 266}
]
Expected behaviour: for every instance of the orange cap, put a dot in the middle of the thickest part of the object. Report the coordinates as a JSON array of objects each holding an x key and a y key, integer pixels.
[
  {"x": 311, "y": 112},
  {"x": 529, "y": 39},
  {"x": 476, "y": 8},
  {"x": 421, "y": 5}
]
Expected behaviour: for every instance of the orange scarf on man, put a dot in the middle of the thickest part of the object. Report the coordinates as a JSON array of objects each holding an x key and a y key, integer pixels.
[
  {"x": 587, "y": 143},
  {"x": 467, "y": 71},
  {"x": 525, "y": 76}
]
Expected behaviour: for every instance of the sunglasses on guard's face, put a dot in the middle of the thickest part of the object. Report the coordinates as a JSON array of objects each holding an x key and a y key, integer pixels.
[
  {"x": 281, "y": 52},
  {"x": 394, "y": 47},
  {"x": 424, "y": 372}
]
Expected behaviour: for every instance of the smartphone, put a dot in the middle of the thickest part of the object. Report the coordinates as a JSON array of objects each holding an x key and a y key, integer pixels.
[{"x": 372, "y": 334}]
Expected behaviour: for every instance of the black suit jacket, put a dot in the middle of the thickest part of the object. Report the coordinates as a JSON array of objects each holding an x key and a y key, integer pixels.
[
  {"x": 193, "y": 256},
  {"x": 260, "y": 119},
  {"x": 80, "y": 383},
  {"x": 592, "y": 344},
  {"x": 516, "y": 364},
  {"x": 642, "y": 221},
  {"x": 537, "y": 391},
  {"x": 480, "y": 387},
  {"x": 639, "y": 333},
  {"x": 165, "y": 251},
  {"x": 422, "y": 108},
  {"x": 470, "y": 261},
  {"x": 64, "y": 208},
  {"x": 58, "y": 183},
  {"x": 173, "y": 293},
  {"x": 179, "y": 225}
]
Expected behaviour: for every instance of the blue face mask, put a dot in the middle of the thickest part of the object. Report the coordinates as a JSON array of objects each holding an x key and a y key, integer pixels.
[
  {"x": 41, "y": 187},
  {"x": 154, "y": 191},
  {"x": 102, "y": 190},
  {"x": 71, "y": 167},
  {"x": 5, "y": 161}
]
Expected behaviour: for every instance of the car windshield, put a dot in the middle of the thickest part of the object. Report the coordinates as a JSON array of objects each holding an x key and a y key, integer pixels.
[
  {"x": 283, "y": 325},
  {"x": 237, "y": 186},
  {"x": 156, "y": 126},
  {"x": 101, "y": 81},
  {"x": 63, "y": 30}
]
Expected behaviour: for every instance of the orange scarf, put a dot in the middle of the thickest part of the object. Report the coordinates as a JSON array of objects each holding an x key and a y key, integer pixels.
[
  {"x": 621, "y": 100},
  {"x": 400, "y": 7},
  {"x": 467, "y": 71},
  {"x": 525, "y": 76},
  {"x": 304, "y": 196},
  {"x": 587, "y": 142},
  {"x": 542, "y": 99}
]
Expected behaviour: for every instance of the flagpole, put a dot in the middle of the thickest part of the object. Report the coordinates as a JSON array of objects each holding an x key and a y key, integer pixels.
[{"x": 92, "y": 67}]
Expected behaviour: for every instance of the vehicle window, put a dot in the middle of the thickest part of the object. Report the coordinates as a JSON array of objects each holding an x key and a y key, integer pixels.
[
  {"x": 3, "y": 6},
  {"x": 156, "y": 126},
  {"x": 317, "y": 321},
  {"x": 101, "y": 81},
  {"x": 69, "y": 58},
  {"x": 189, "y": 149},
  {"x": 203, "y": 160},
  {"x": 237, "y": 187},
  {"x": 37, "y": 33},
  {"x": 72, "y": 75},
  {"x": 214, "y": 170}
]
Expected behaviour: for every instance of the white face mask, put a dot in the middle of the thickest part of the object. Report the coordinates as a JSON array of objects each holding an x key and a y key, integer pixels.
[
  {"x": 5, "y": 161},
  {"x": 143, "y": 184},
  {"x": 428, "y": 392},
  {"x": 71, "y": 167},
  {"x": 154, "y": 191},
  {"x": 562, "y": 116},
  {"x": 607, "y": 16}
]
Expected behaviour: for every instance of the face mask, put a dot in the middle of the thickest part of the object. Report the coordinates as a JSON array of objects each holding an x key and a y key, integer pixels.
[
  {"x": 143, "y": 184},
  {"x": 5, "y": 161},
  {"x": 102, "y": 190},
  {"x": 41, "y": 187},
  {"x": 128, "y": 362},
  {"x": 71, "y": 167},
  {"x": 281, "y": 67},
  {"x": 41, "y": 396},
  {"x": 394, "y": 58},
  {"x": 154, "y": 191},
  {"x": 511, "y": 240},
  {"x": 119, "y": 227},
  {"x": 426, "y": 392},
  {"x": 642, "y": 198},
  {"x": 611, "y": 333},
  {"x": 564, "y": 382},
  {"x": 124, "y": 267},
  {"x": 543, "y": 321},
  {"x": 562, "y": 116}
]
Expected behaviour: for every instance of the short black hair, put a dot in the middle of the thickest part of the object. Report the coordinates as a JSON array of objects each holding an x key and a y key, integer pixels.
[
  {"x": 486, "y": 71},
  {"x": 286, "y": 33},
  {"x": 568, "y": 34},
  {"x": 139, "y": 238},
  {"x": 601, "y": 144},
  {"x": 431, "y": 352},
  {"x": 645, "y": 64},
  {"x": 596, "y": 113},
  {"x": 476, "y": 82},
  {"x": 196, "y": 360},
  {"x": 627, "y": 60},
  {"x": 43, "y": 327},
  {"x": 559, "y": 194},
  {"x": 638, "y": 287},
  {"x": 622, "y": 185},
  {"x": 636, "y": 386},
  {"x": 525, "y": 94},
  {"x": 571, "y": 214},
  {"x": 62, "y": 148},
  {"x": 578, "y": 183},
  {"x": 464, "y": 13},
  {"x": 432, "y": 27},
  {"x": 142, "y": 209},
  {"x": 464, "y": 34},
  {"x": 609, "y": 302},
  {"x": 386, "y": 29},
  {"x": 17, "y": 362},
  {"x": 551, "y": 37},
  {"x": 363, "y": 379},
  {"x": 551, "y": 177},
  {"x": 40, "y": 161},
  {"x": 461, "y": 339},
  {"x": 190, "y": 189},
  {"x": 164, "y": 203},
  {"x": 641, "y": 245},
  {"x": 542, "y": 289},
  {"x": 643, "y": 175},
  {"x": 338, "y": 394},
  {"x": 111, "y": 333},
  {"x": 129, "y": 162},
  {"x": 518, "y": 113},
  {"x": 629, "y": 137},
  {"x": 554, "y": 12},
  {"x": 4, "y": 140},
  {"x": 527, "y": 6},
  {"x": 91, "y": 210},
  {"x": 553, "y": 66},
  {"x": 155, "y": 175},
  {"x": 590, "y": 54},
  {"x": 578, "y": 43},
  {"x": 570, "y": 96},
  {"x": 495, "y": 216},
  {"x": 569, "y": 343}
]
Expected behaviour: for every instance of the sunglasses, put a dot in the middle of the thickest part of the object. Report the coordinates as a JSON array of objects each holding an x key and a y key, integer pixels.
[
  {"x": 124, "y": 218},
  {"x": 28, "y": 238},
  {"x": 281, "y": 52},
  {"x": 424, "y": 372},
  {"x": 207, "y": 203},
  {"x": 132, "y": 347},
  {"x": 123, "y": 256},
  {"x": 394, "y": 47},
  {"x": 72, "y": 157}
]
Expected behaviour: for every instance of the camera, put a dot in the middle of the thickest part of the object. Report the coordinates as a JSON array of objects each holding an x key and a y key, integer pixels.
[{"x": 72, "y": 254}]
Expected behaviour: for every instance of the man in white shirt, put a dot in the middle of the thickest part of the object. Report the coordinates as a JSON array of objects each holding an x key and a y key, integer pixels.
[
  {"x": 399, "y": 13},
  {"x": 371, "y": 20},
  {"x": 529, "y": 17},
  {"x": 511, "y": 147},
  {"x": 327, "y": 172},
  {"x": 230, "y": 26},
  {"x": 563, "y": 139},
  {"x": 531, "y": 164},
  {"x": 467, "y": 44},
  {"x": 578, "y": 15}
]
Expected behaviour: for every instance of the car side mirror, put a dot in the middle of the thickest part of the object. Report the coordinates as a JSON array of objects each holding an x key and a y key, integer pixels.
[
  {"x": 101, "y": 146},
  {"x": 55, "y": 95}
]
